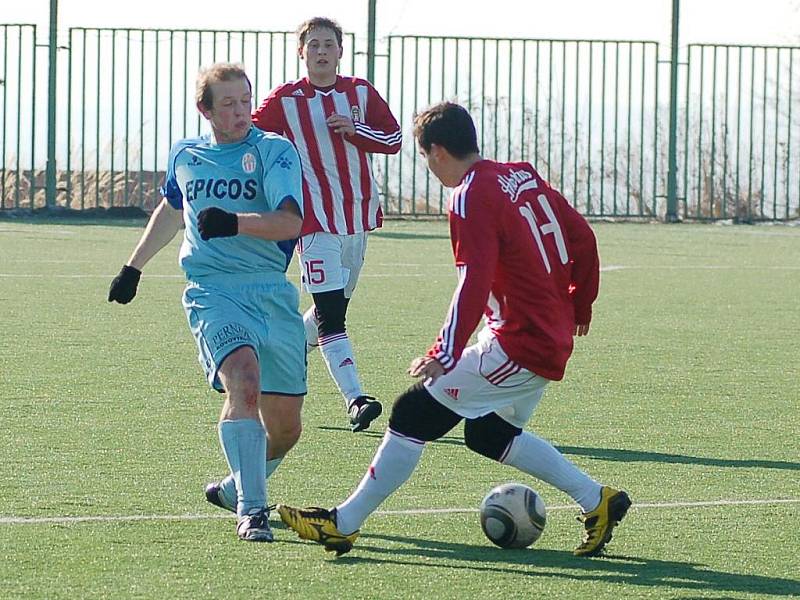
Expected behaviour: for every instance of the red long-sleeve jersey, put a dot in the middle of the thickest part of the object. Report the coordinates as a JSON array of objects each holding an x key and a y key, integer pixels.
[
  {"x": 527, "y": 262},
  {"x": 339, "y": 191}
]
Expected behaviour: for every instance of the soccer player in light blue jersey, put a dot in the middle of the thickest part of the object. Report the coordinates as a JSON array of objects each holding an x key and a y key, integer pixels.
[{"x": 238, "y": 192}]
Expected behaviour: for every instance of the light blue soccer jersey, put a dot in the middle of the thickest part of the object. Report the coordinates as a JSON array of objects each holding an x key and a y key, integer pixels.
[{"x": 254, "y": 175}]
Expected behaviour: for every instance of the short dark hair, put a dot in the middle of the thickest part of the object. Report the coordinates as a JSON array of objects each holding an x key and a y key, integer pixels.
[
  {"x": 317, "y": 23},
  {"x": 449, "y": 125},
  {"x": 221, "y": 71}
]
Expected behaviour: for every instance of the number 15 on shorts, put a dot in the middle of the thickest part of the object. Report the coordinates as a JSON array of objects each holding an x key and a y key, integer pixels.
[{"x": 314, "y": 272}]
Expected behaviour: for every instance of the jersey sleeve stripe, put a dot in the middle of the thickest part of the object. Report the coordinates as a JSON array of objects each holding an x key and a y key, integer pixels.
[
  {"x": 378, "y": 136},
  {"x": 458, "y": 198},
  {"x": 450, "y": 327}
]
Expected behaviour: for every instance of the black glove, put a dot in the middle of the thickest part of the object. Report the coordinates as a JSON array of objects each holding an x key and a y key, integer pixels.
[
  {"x": 214, "y": 222},
  {"x": 123, "y": 288}
]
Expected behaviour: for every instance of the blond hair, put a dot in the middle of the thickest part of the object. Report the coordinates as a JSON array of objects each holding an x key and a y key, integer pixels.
[{"x": 221, "y": 71}]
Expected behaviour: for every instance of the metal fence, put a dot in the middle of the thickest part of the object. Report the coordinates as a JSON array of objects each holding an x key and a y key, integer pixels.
[
  {"x": 131, "y": 95},
  {"x": 591, "y": 115},
  {"x": 741, "y": 133},
  {"x": 19, "y": 142},
  {"x": 584, "y": 112}
]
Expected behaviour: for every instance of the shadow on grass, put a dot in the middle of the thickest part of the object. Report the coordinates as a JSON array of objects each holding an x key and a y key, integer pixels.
[
  {"x": 559, "y": 564},
  {"x": 622, "y": 455},
  {"x": 378, "y": 434},
  {"x": 661, "y": 457},
  {"x": 117, "y": 216}
]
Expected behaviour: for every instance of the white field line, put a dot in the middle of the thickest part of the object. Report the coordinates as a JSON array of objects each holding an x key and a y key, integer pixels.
[
  {"x": 426, "y": 273},
  {"x": 411, "y": 511}
]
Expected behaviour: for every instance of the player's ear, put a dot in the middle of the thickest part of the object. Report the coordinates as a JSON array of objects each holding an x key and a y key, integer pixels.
[
  {"x": 203, "y": 111},
  {"x": 300, "y": 52},
  {"x": 437, "y": 151}
]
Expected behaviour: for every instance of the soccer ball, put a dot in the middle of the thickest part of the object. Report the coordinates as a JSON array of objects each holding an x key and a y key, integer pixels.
[{"x": 513, "y": 515}]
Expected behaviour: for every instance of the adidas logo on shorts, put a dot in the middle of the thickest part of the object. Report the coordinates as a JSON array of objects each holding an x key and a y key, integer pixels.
[{"x": 452, "y": 392}]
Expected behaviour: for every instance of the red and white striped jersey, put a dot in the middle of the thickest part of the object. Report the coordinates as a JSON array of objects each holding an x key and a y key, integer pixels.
[
  {"x": 527, "y": 262},
  {"x": 339, "y": 191}
]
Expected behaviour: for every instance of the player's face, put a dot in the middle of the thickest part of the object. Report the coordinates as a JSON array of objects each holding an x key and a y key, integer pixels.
[
  {"x": 321, "y": 53},
  {"x": 230, "y": 113}
]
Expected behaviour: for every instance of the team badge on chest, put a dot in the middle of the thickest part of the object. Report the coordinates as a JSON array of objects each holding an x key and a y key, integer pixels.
[
  {"x": 248, "y": 163},
  {"x": 355, "y": 113}
]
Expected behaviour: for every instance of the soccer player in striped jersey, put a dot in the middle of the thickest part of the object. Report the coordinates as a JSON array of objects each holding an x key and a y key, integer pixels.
[
  {"x": 335, "y": 122},
  {"x": 527, "y": 264},
  {"x": 237, "y": 194}
]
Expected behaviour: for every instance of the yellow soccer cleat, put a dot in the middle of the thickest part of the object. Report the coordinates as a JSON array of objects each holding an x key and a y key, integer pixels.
[
  {"x": 318, "y": 525},
  {"x": 599, "y": 523}
]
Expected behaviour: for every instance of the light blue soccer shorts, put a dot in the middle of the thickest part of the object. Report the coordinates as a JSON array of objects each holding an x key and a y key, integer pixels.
[{"x": 259, "y": 310}]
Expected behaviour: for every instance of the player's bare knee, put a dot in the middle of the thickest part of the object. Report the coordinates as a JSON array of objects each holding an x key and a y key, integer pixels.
[
  {"x": 291, "y": 434},
  {"x": 283, "y": 437},
  {"x": 417, "y": 414},
  {"x": 489, "y": 435}
]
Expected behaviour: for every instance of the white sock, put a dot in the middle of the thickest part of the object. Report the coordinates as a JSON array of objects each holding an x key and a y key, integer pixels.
[
  {"x": 311, "y": 323},
  {"x": 392, "y": 465},
  {"x": 535, "y": 456},
  {"x": 338, "y": 354}
]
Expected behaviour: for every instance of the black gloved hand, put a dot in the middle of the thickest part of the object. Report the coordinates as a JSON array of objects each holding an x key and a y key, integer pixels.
[
  {"x": 123, "y": 287},
  {"x": 214, "y": 222}
]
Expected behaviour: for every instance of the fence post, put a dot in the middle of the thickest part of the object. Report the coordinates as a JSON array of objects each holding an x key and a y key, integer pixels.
[
  {"x": 672, "y": 175},
  {"x": 50, "y": 191},
  {"x": 371, "y": 42}
]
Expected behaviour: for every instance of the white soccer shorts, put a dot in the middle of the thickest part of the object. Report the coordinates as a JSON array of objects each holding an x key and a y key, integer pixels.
[
  {"x": 331, "y": 262},
  {"x": 485, "y": 380}
]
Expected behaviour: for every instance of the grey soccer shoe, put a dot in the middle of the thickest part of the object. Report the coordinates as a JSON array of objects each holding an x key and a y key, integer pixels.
[
  {"x": 255, "y": 527},
  {"x": 363, "y": 411}
]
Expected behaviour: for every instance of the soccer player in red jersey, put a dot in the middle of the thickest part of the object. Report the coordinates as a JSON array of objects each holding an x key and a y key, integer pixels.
[
  {"x": 334, "y": 122},
  {"x": 527, "y": 264}
]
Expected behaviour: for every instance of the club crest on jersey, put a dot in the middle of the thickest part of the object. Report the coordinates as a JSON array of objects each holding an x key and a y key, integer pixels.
[
  {"x": 516, "y": 182},
  {"x": 248, "y": 163},
  {"x": 355, "y": 113}
]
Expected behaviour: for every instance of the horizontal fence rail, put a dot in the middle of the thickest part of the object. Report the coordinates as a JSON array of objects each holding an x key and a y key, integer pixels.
[{"x": 590, "y": 115}]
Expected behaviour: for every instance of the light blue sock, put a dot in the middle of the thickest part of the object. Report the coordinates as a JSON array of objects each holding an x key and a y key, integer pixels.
[
  {"x": 227, "y": 488},
  {"x": 244, "y": 443},
  {"x": 272, "y": 465},
  {"x": 228, "y": 485}
]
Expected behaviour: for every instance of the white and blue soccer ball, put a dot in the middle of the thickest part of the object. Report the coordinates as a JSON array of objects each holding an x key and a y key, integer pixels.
[{"x": 513, "y": 515}]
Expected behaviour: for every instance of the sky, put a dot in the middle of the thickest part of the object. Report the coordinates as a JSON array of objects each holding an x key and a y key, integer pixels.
[{"x": 767, "y": 22}]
